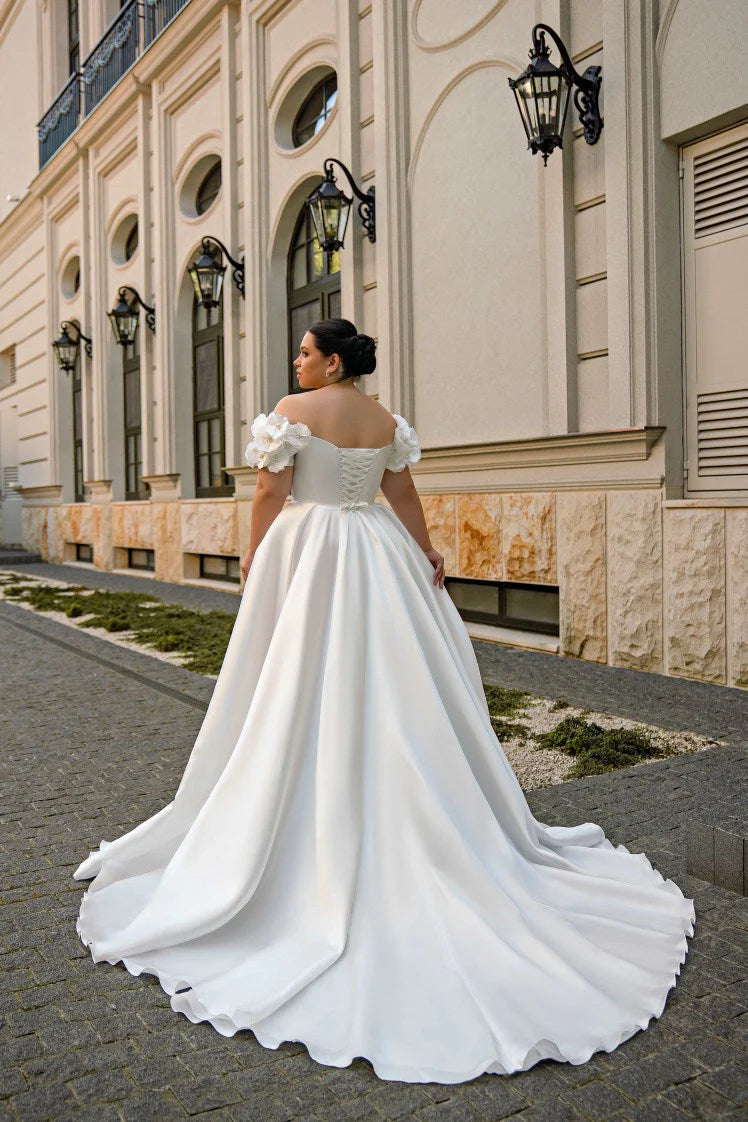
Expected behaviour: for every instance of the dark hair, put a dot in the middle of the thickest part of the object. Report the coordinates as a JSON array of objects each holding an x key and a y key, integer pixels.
[{"x": 339, "y": 336}]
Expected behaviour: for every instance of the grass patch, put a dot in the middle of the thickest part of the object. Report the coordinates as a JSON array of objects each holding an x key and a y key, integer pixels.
[
  {"x": 201, "y": 637},
  {"x": 597, "y": 750}
]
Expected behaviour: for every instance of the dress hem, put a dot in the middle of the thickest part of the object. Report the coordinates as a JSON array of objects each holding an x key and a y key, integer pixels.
[{"x": 542, "y": 1049}]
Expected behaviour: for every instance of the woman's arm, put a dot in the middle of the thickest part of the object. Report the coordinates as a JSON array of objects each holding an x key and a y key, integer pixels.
[
  {"x": 400, "y": 492},
  {"x": 271, "y": 491}
]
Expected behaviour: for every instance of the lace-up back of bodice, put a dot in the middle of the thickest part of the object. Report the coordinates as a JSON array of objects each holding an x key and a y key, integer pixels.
[{"x": 348, "y": 478}]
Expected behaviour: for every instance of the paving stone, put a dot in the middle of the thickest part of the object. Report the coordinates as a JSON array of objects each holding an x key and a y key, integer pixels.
[
  {"x": 730, "y": 1081},
  {"x": 656, "y": 1109},
  {"x": 103, "y": 1087},
  {"x": 655, "y": 1073},
  {"x": 205, "y": 1094},
  {"x": 43, "y": 1104},
  {"x": 93, "y": 1042},
  {"x": 595, "y": 1099},
  {"x": 159, "y": 1106},
  {"x": 696, "y": 1100}
]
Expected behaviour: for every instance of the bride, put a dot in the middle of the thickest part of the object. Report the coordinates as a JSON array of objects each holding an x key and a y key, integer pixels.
[{"x": 349, "y": 860}]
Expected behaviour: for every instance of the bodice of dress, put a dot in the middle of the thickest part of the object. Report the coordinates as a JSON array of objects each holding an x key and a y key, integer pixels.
[{"x": 348, "y": 478}]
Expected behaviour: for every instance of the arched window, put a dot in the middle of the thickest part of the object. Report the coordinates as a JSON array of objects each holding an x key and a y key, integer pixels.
[
  {"x": 135, "y": 488},
  {"x": 81, "y": 492},
  {"x": 313, "y": 286},
  {"x": 315, "y": 109},
  {"x": 208, "y": 402},
  {"x": 208, "y": 190}
]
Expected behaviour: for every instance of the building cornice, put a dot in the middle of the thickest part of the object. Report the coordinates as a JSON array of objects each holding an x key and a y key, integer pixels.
[
  {"x": 604, "y": 446},
  {"x": 48, "y": 494}
]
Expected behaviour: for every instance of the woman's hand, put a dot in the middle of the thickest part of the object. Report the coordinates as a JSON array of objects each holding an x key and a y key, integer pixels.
[
  {"x": 245, "y": 564},
  {"x": 437, "y": 561}
]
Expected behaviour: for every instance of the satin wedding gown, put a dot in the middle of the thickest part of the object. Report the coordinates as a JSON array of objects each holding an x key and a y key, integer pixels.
[{"x": 349, "y": 860}]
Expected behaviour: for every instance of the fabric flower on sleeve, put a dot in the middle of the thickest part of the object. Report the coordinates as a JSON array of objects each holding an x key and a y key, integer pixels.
[
  {"x": 406, "y": 448},
  {"x": 275, "y": 441}
]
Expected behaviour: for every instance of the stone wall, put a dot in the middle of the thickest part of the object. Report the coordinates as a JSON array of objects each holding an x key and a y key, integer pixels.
[{"x": 644, "y": 583}]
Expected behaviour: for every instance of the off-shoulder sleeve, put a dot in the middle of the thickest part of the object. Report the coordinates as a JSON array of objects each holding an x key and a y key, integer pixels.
[
  {"x": 406, "y": 448},
  {"x": 275, "y": 441}
]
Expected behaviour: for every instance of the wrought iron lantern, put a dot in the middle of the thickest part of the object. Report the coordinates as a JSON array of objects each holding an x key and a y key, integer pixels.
[
  {"x": 330, "y": 207},
  {"x": 125, "y": 316},
  {"x": 542, "y": 92},
  {"x": 66, "y": 349},
  {"x": 207, "y": 272}
]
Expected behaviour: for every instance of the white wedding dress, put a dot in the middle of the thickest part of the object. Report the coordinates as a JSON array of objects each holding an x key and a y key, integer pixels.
[{"x": 349, "y": 860}]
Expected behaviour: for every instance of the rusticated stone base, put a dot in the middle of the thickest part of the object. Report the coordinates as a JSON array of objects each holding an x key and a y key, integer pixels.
[
  {"x": 581, "y": 574},
  {"x": 634, "y": 565},
  {"x": 694, "y": 559},
  {"x": 646, "y": 585}
]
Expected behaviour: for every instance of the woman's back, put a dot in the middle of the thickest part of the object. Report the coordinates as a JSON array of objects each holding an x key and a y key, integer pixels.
[{"x": 342, "y": 415}]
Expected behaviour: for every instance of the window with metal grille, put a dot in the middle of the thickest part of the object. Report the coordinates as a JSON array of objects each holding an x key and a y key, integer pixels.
[
  {"x": 81, "y": 492},
  {"x": 135, "y": 488},
  {"x": 211, "y": 477}
]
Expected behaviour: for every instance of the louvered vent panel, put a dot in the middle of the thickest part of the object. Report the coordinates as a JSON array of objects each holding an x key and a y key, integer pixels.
[
  {"x": 722, "y": 428},
  {"x": 12, "y": 365},
  {"x": 720, "y": 189}
]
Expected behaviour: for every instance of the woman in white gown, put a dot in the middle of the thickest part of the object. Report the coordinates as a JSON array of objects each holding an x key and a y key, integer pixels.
[{"x": 349, "y": 860}]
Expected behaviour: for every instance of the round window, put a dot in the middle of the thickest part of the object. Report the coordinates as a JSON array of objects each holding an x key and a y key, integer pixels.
[
  {"x": 125, "y": 240},
  {"x": 131, "y": 243},
  {"x": 71, "y": 278},
  {"x": 315, "y": 109},
  {"x": 208, "y": 190}
]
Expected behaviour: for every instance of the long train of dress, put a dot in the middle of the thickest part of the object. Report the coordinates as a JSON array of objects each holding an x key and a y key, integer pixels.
[{"x": 349, "y": 860}]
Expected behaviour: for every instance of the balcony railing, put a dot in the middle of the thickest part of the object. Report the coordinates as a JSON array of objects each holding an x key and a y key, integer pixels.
[
  {"x": 127, "y": 37},
  {"x": 60, "y": 119},
  {"x": 112, "y": 57}
]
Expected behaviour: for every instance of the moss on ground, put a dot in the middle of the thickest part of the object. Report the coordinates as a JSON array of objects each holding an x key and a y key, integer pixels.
[
  {"x": 200, "y": 637},
  {"x": 506, "y": 703},
  {"x": 597, "y": 750}
]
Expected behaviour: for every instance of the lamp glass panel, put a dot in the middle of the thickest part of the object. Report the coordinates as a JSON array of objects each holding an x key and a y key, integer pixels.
[{"x": 316, "y": 260}]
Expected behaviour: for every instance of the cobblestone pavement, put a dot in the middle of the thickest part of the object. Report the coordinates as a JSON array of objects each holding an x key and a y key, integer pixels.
[{"x": 95, "y": 739}]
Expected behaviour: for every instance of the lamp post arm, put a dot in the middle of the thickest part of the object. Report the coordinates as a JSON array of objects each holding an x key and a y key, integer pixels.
[
  {"x": 356, "y": 191},
  {"x": 237, "y": 266},
  {"x": 367, "y": 201},
  {"x": 150, "y": 313},
  {"x": 540, "y": 48},
  {"x": 87, "y": 343}
]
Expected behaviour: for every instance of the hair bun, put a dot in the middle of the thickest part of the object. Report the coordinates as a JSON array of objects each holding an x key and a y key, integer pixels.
[{"x": 360, "y": 355}]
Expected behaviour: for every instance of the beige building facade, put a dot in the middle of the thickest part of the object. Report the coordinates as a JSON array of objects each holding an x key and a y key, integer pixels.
[{"x": 568, "y": 339}]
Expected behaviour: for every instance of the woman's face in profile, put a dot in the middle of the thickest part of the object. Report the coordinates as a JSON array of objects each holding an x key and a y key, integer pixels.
[{"x": 312, "y": 366}]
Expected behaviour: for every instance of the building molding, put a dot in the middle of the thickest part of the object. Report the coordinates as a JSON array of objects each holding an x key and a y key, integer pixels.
[
  {"x": 286, "y": 79},
  {"x": 455, "y": 41}
]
